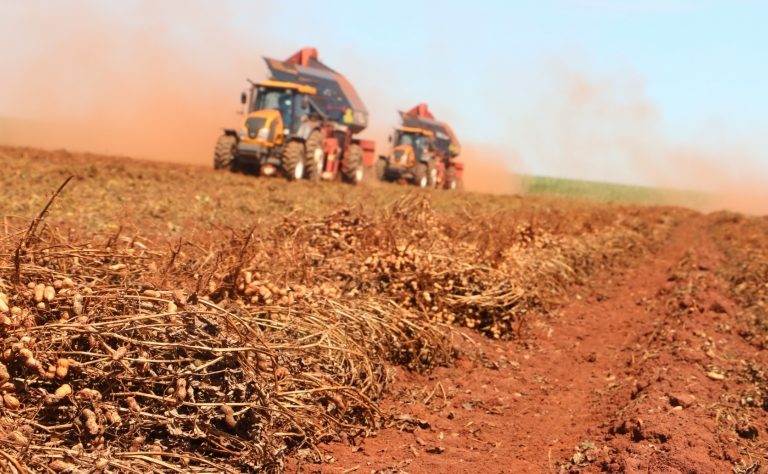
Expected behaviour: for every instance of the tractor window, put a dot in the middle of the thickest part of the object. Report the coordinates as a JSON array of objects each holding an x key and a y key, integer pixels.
[
  {"x": 419, "y": 144},
  {"x": 417, "y": 141},
  {"x": 284, "y": 104},
  {"x": 405, "y": 139},
  {"x": 280, "y": 100},
  {"x": 268, "y": 99},
  {"x": 301, "y": 107}
]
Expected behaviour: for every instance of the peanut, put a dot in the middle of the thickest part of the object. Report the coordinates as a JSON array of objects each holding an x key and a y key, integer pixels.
[
  {"x": 59, "y": 465},
  {"x": 4, "y": 303},
  {"x": 62, "y": 368},
  {"x": 49, "y": 293},
  {"x": 133, "y": 405},
  {"x": 39, "y": 292},
  {"x": 11, "y": 402},
  {"x": 181, "y": 390},
  {"x": 90, "y": 422},
  {"x": 89, "y": 394},
  {"x": 119, "y": 353},
  {"x": 63, "y": 391},
  {"x": 229, "y": 415}
]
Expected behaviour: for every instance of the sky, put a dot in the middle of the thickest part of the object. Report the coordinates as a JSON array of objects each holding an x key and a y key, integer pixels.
[{"x": 670, "y": 93}]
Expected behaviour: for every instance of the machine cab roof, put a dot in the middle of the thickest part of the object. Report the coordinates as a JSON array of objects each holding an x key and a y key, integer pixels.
[
  {"x": 301, "y": 88},
  {"x": 421, "y": 131}
]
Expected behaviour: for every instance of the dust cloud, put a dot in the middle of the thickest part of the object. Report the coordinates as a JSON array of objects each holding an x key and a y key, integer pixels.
[
  {"x": 90, "y": 81},
  {"x": 609, "y": 130},
  {"x": 486, "y": 170}
]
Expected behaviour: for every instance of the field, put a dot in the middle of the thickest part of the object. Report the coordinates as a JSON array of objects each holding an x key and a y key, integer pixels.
[
  {"x": 165, "y": 318},
  {"x": 609, "y": 192}
]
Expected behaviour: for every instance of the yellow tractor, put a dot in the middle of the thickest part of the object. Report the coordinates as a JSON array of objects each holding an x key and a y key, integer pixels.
[
  {"x": 300, "y": 123},
  {"x": 272, "y": 136},
  {"x": 424, "y": 152},
  {"x": 410, "y": 158}
]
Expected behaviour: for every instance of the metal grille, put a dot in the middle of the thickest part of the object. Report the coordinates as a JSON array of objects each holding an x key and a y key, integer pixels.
[{"x": 254, "y": 124}]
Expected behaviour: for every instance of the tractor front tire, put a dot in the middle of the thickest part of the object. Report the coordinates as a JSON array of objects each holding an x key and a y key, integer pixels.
[
  {"x": 421, "y": 175},
  {"x": 293, "y": 160},
  {"x": 224, "y": 153},
  {"x": 381, "y": 169},
  {"x": 352, "y": 168},
  {"x": 452, "y": 181},
  {"x": 315, "y": 157},
  {"x": 432, "y": 173}
]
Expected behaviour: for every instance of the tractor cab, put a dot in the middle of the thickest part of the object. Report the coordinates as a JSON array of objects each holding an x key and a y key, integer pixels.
[
  {"x": 275, "y": 110},
  {"x": 410, "y": 145}
]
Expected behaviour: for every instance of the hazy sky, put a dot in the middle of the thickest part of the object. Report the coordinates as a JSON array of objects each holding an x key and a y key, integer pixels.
[{"x": 610, "y": 90}]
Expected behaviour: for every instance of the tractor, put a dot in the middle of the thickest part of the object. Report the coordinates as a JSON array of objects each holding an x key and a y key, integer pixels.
[
  {"x": 301, "y": 123},
  {"x": 423, "y": 152}
]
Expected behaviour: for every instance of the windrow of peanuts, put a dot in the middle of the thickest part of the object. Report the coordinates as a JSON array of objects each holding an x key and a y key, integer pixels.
[
  {"x": 228, "y": 355},
  {"x": 743, "y": 241},
  {"x": 481, "y": 273}
]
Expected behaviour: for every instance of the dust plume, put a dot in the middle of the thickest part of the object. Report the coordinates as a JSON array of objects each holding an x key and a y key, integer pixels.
[
  {"x": 609, "y": 130},
  {"x": 486, "y": 170},
  {"x": 731, "y": 178},
  {"x": 91, "y": 80}
]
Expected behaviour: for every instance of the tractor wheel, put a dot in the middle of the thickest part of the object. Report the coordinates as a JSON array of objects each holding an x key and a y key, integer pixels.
[
  {"x": 433, "y": 175},
  {"x": 315, "y": 158},
  {"x": 352, "y": 167},
  {"x": 421, "y": 175},
  {"x": 293, "y": 161},
  {"x": 452, "y": 182},
  {"x": 381, "y": 168},
  {"x": 224, "y": 154}
]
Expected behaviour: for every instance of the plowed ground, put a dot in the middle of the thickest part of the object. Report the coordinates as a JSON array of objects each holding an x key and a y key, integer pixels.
[
  {"x": 616, "y": 381},
  {"x": 636, "y": 342}
]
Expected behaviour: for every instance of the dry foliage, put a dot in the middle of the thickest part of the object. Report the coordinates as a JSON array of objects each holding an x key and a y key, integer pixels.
[
  {"x": 225, "y": 354},
  {"x": 473, "y": 271}
]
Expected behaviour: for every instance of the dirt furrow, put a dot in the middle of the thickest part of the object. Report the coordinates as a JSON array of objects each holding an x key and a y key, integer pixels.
[
  {"x": 688, "y": 406},
  {"x": 572, "y": 398}
]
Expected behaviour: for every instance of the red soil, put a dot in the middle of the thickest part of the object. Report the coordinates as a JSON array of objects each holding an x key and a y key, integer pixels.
[{"x": 616, "y": 381}]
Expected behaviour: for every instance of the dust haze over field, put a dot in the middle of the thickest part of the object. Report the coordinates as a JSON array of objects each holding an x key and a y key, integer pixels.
[
  {"x": 163, "y": 89},
  {"x": 153, "y": 90},
  {"x": 606, "y": 128}
]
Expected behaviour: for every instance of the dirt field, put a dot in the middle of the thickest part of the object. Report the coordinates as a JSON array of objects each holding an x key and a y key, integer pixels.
[{"x": 164, "y": 318}]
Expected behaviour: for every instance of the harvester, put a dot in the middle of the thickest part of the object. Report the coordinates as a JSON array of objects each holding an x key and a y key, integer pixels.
[
  {"x": 300, "y": 123},
  {"x": 424, "y": 152}
]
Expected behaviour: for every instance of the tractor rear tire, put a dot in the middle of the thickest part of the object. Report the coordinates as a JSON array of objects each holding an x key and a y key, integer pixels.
[
  {"x": 452, "y": 181},
  {"x": 224, "y": 153},
  {"x": 421, "y": 175},
  {"x": 381, "y": 169},
  {"x": 315, "y": 158},
  {"x": 293, "y": 161},
  {"x": 433, "y": 175},
  {"x": 352, "y": 167}
]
